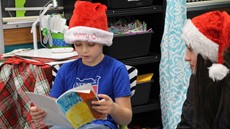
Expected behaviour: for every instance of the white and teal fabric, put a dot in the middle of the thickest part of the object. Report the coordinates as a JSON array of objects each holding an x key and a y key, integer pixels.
[{"x": 174, "y": 71}]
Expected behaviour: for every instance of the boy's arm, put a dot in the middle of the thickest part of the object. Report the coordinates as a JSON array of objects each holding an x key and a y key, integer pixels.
[{"x": 120, "y": 110}]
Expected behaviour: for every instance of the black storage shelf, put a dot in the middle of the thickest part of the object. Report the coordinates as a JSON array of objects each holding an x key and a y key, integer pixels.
[
  {"x": 145, "y": 62},
  {"x": 135, "y": 11},
  {"x": 152, "y": 58},
  {"x": 151, "y": 106},
  {"x": 208, "y": 5}
]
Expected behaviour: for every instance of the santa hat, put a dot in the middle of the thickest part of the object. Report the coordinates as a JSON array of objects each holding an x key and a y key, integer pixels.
[
  {"x": 89, "y": 23},
  {"x": 209, "y": 34}
]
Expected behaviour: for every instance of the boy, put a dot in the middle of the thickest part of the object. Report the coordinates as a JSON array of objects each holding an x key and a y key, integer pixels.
[{"x": 88, "y": 31}]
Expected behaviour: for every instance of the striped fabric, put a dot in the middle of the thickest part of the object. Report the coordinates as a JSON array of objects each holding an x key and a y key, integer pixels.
[
  {"x": 132, "y": 77},
  {"x": 55, "y": 69}
]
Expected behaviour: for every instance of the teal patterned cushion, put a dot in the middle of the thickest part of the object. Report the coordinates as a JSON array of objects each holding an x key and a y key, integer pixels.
[{"x": 174, "y": 71}]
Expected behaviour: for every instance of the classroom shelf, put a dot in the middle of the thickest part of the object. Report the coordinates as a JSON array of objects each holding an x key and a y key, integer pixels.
[
  {"x": 152, "y": 58},
  {"x": 135, "y": 11},
  {"x": 208, "y": 5},
  {"x": 151, "y": 106}
]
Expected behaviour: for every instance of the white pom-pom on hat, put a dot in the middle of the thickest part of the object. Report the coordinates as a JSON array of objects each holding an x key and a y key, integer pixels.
[{"x": 218, "y": 72}]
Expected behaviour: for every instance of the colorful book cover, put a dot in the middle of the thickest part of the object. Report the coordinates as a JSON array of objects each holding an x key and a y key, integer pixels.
[{"x": 75, "y": 105}]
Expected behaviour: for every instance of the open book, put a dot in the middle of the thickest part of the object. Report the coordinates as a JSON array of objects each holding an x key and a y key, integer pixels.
[{"x": 72, "y": 109}]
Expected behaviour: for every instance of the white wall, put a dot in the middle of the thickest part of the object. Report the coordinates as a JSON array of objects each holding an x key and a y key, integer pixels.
[{"x": 2, "y": 48}]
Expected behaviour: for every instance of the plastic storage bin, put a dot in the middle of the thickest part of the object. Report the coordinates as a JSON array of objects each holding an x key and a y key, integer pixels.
[
  {"x": 129, "y": 46},
  {"x": 142, "y": 93},
  {"x": 118, "y": 4}
]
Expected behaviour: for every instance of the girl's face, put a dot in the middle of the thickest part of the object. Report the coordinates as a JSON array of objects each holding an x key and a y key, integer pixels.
[
  {"x": 191, "y": 57},
  {"x": 91, "y": 53}
]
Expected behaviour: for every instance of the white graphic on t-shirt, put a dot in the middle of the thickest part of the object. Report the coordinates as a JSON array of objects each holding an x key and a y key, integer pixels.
[{"x": 93, "y": 81}]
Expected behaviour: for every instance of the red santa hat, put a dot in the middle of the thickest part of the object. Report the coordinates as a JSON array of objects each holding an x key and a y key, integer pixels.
[
  {"x": 209, "y": 34},
  {"x": 89, "y": 23}
]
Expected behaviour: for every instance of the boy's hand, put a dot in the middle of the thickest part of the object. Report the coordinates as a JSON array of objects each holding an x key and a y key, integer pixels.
[
  {"x": 37, "y": 114},
  {"x": 105, "y": 105}
]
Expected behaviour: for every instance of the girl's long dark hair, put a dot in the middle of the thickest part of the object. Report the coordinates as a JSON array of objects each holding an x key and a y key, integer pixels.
[
  {"x": 223, "y": 116},
  {"x": 206, "y": 96},
  {"x": 211, "y": 99}
]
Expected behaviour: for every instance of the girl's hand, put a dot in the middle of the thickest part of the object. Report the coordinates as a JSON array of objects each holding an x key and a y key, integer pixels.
[{"x": 105, "y": 105}]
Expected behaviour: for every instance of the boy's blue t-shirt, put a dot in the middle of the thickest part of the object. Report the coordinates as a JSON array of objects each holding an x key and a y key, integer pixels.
[{"x": 109, "y": 77}]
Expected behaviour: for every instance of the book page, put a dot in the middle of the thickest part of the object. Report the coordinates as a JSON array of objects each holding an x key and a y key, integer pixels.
[
  {"x": 86, "y": 88},
  {"x": 76, "y": 105},
  {"x": 54, "y": 115}
]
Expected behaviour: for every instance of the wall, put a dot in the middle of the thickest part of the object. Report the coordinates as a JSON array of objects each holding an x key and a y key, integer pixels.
[
  {"x": 18, "y": 36},
  {"x": 29, "y": 3}
]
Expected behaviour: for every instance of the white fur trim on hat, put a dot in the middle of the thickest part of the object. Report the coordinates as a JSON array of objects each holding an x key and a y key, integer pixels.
[
  {"x": 199, "y": 42},
  {"x": 218, "y": 72},
  {"x": 89, "y": 34}
]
